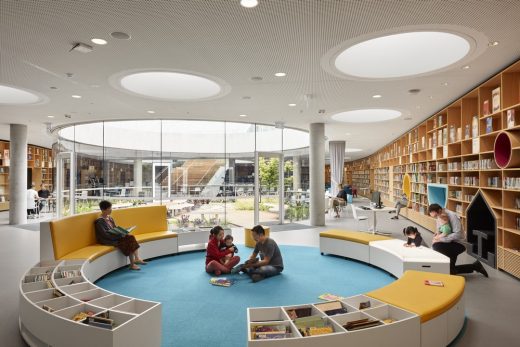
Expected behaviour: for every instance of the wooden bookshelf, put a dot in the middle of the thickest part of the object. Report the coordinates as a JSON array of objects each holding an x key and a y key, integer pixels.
[
  {"x": 39, "y": 160},
  {"x": 461, "y": 146}
]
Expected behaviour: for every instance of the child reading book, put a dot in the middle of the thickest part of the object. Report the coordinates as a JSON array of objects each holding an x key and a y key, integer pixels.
[
  {"x": 414, "y": 237},
  {"x": 228, "y": 244}
]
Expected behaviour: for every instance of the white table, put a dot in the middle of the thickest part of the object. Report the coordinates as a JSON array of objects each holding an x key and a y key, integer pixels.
[{"x": 375, "y": 210}]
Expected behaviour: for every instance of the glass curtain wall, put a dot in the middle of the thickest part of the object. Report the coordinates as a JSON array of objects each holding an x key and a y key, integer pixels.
[{"x": 203, "y": 171}]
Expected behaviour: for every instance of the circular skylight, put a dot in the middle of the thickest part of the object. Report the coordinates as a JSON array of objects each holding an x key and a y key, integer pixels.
[
  {"x": 170, "y": 85},
  {"x": 370, "y": 115},
  {"x": 404, "y": 54},
  {"x": 15, "y": 96}
]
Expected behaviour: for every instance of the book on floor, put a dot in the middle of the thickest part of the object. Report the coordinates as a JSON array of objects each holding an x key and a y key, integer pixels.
[{"x": 222, "y": 282}]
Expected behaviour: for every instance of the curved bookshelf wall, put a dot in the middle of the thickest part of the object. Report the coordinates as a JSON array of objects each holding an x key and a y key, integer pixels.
[{"x": 472, "y": 144}]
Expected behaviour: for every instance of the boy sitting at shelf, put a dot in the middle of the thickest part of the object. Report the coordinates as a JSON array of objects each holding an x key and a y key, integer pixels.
[{"x": 228, "y": 244}]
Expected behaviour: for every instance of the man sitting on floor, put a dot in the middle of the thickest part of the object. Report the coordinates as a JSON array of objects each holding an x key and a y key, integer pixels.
[{"x": 270, "y": 263}]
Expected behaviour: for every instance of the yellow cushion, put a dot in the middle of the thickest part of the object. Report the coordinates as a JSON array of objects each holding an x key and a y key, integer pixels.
[
  {"x": 154, "y": 236},
  {"x": 89, "y": 252},
  {"x": 410, "y": 293},
  {"x": 73, "y": 233},
  {"x": 148, "y": 219},
  {"x": 249, "y": 241},
  {"x": 353, "y": 236}
]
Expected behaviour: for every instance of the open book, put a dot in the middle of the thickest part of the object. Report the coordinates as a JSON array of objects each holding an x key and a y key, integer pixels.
[{"x": 121, "y": 231}]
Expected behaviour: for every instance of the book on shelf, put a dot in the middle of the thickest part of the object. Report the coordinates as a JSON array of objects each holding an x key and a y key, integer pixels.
[
  {"x": 495, "y": 99},
  {"x": 459, "y": 134},
  {"x": 47, "y": 308},
  {"x": 485, "y": 107},
  {"x": 299, "y": 312},
  {"x": 489, "y": 125},
  {"x": 332, "y": 308},
  {"x": 511, "y": 118},
  {"x": 221, "y": 282},
  {"x": 362, "y": 324},
  {"x": 466, "y": 132},
  {"x": 365, "y": 304},
  {"x": 434, "y": 283},
  {"x": 474, "y": 127},
  {"x": 452, "y": 133}
]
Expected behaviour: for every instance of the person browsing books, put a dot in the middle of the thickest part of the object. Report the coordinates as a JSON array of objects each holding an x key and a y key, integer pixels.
[
  {"x": 107, "y": 233},
  {"x": 271, "y": 261},
  {"x": 450, "y": 245},
  {"x": 339, "y": 200},
  {"x": 414, "y": 238},
  {"x": 214, "y": 254},
  {"x": 228, "y": 244}
]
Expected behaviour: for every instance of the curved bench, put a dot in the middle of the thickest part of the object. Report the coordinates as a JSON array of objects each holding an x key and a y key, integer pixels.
[{"x": 383, "y": 252}]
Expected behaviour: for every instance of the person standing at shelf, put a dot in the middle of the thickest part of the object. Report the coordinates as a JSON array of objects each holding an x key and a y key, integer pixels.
[
  {"x": 32, "y": 198},
  {"x": 126, "y": 243},
  {"x": 214, "y": 254},
  {"x": 43, "y": 194},
  {"x": 403, "y": 202},
  {"x": 271, "y": 261},
  {"x": 450, "y": 245}
]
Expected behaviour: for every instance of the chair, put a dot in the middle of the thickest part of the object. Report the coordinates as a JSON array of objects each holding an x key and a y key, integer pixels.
[{"x": 358, "y": 218}]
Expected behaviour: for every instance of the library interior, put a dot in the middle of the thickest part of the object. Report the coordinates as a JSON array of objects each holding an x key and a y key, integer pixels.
[{"x": 259, "y": 173}]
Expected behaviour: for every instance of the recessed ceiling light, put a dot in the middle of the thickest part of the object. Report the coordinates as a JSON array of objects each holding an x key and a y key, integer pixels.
[
  {"x": 366, "y": 115},
  {"x": 50, "y": 116},
  {"x": 351, "y": 150},
  {"x": 377, "y": 96},
  {"x": 11, "y": 95},
  {"x": 243, "y": 115},
  {"x": 151, "y": 111},
  {"x": 418, "y": 107},
  {"x": 445, "y": 84},
  {"x": 493, "y": 44},
  {"x": 431, "y": 97},
  {"x": 292, "y": 105},
  {"x": 256, "y": 78},
  {"x": 99, "y": 41},
  {"x": 348, "y": 134},
  {"x": 169, "y": 85},
  {"x": 246, "y": 97},
  {"x": 249, "y": 3},
  {"x": 94, "y": 86},
  {"x": 120, "y": 35},
  {"x": 280, "y": 74},
  {"x": 406, "y": 54},
  {"x": 76, "y": 96},
  {"x": 466, "y": 67}
]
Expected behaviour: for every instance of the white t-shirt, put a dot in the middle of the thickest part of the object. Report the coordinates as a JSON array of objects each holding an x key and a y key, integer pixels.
[{"x": 32, "y": 196}]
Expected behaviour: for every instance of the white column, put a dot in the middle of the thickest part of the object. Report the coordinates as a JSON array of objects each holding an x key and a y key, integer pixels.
[
  {"x": 317, "y": 174},
  {"x": 297, "y": 172},
  {"x": 138, "y": 176},
  {"x": 18, "y": 174},
  {"x": 337, "y": 158}
]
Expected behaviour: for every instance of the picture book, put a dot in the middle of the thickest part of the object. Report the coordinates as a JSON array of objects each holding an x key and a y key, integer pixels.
[
  {"x": 329, "y": 297},
  {"x": 510, "y": 118},
  {"x": 489, "y": 125},
  {"x": 495, "y": 99},
  {"x": 434, "y": 283},
  {"x": 119, "y": 231},
  {"x": 222, "y": 282}
]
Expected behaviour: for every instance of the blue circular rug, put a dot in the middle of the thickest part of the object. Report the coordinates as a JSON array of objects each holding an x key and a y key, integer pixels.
[{"x": 195, "y": 313}]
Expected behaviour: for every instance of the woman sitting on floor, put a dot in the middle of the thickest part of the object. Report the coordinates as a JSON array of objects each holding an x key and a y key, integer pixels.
[
  {"x": 105, "y": 236},
  {"x": 214, "y": 255}
]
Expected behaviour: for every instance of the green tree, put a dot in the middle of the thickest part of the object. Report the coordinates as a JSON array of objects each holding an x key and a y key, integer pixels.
[{"x": 268, "y": 170}]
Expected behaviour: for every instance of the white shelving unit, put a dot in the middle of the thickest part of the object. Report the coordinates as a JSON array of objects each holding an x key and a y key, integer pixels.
[
  {"x": 403, "y": 331},
  {"x": 49, "y": 300}
]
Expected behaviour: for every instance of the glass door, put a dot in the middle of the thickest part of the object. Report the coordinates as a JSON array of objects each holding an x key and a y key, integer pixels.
[
  {"x": 161, "y": 181},
  {"x": 65, "y": 185},
  {"x": 269, "y": 194}
]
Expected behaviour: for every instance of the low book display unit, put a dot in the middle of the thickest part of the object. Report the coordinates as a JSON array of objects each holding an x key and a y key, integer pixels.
[{"x": 59, "y": 306}]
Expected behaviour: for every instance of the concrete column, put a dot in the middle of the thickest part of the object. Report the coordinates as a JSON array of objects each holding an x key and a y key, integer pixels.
[
  {"x": 297, "y": 172},
  {"x": 138, "y": 176},
  {"x": 317, "y": 174},
  {"x": 18, "y": 174}
]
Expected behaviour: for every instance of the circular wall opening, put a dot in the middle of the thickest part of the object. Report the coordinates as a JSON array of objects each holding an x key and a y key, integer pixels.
[{"x": 503, "y": 150}]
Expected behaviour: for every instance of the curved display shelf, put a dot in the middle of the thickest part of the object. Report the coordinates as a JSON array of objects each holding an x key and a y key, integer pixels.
[
  {"x": 507, "y": 149},
  {"x": 437, "y": 194}
]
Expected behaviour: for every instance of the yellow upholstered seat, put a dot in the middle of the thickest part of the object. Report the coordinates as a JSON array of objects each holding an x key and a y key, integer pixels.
[
  {"x": 74, "y": 237},
  {"x": 89, "y": 252},
  {"x": 353, "y": 236},
  {"x": 159, "y": 235},
  {"x": 410, "y": 293}
]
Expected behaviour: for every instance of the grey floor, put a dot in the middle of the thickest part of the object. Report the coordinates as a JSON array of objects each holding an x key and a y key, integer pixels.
[{"x": 492, "y": 304}]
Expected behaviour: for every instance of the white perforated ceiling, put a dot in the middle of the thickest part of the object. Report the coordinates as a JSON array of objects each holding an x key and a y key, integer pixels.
[{"x": 220, "y": 38}]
